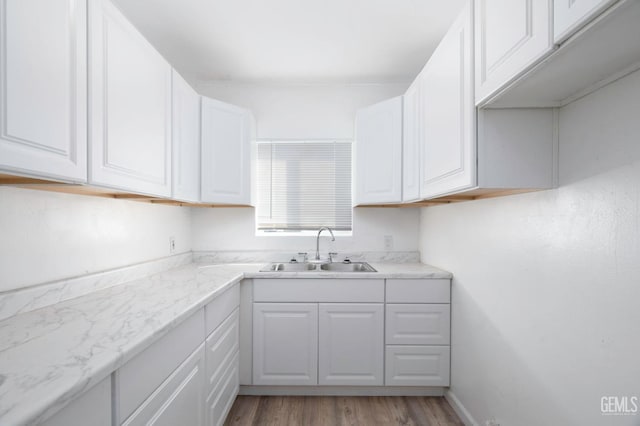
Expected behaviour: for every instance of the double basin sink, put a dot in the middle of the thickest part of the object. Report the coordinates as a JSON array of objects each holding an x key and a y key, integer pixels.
[{"x": 319, "y": 267}]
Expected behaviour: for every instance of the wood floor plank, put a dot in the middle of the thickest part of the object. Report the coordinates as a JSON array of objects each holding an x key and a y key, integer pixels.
[{"x": 341, "y": 411}]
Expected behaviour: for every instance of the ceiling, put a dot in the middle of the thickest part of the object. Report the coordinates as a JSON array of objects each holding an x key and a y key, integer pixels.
[{"x": 294, "y": 41}]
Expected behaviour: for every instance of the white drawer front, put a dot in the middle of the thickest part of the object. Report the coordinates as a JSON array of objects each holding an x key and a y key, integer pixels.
[
  {"x": 220, "y": 308},
  {"x": 138, "y": 378},
  {"x": 418, "y": 291},
  {"x": 178, "y": 400},
  {"x": 220, "y": 401},
  {"x": 417, "y": 366},
  {"x": 318, "y": 290},
  {"x": 221, "y": 346},
  {"x": 418, "y": 324}
]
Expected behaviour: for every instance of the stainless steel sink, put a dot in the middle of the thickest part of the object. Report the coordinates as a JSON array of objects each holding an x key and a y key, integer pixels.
[
  {"x": 288, "y": 267},
  {"x": 321, "y": 267},
  {"x": 347, "y": 267}
]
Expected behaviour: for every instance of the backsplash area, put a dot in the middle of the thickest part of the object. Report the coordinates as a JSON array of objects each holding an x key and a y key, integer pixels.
[
  {"x": 31, "y": 298},
  {"x": 251, "y": 256}
]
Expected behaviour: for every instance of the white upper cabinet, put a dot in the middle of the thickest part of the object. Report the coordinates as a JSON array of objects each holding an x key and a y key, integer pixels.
[
  {"x": 448, "y": 113},
  {"x": 186, "y": 141},
  {"x": 130, "y": 106},
  {"x": 378, "y": 153},
  {"x": 570, "y": 15},
  {"x": 412, "y": 138},
  {"x": 226, "y": 153},
  {"x": 510, "y": 36},
  {"x": 43, "y": 88}
]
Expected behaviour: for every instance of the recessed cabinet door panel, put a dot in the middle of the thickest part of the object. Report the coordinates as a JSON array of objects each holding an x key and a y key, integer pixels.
[
  {"x": 43, "y": 88},
  {"x": 378, "y": 153},
  {"x": 351, "y": 344},
  {"x": 510, "y": 35},
  {"x": 185, "y": 141},
  {"x": 412, "y": 137},
  {"x": 285, "y": 344},
  {"x": 226, "y": 156},
  {"x": 418, "y": 324},
  {"x": 570, "y": 15},
  {"x": 448, "y": 147},
  {"x": 417, "y": 366},
  {"x": 131, "y": 106}
]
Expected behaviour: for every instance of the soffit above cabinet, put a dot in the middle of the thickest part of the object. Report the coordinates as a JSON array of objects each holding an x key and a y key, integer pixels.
[{"x": 289, "y": 41}]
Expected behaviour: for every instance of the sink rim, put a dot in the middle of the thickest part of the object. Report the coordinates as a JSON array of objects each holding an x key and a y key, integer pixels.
[{"x": 303, "y": 267}]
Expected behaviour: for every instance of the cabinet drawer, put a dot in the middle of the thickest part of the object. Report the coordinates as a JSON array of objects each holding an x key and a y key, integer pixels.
[
  {"x": 220, "y": 401},
  {"x": 179, "y": 399},
  {"x": 220, "y": 308},
  {"x": 222, "y": 345},
  {"x": 418, "y": 324},
  {"x": 418, "y": 291},
  {"x": 138, "y": 378},
  {"x": 318, "y": 290},
  {"x": 417, "y": 366}
]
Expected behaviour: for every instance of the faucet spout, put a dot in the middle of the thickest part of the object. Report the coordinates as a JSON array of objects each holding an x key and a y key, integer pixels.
[{"x": 333, "y": 238}]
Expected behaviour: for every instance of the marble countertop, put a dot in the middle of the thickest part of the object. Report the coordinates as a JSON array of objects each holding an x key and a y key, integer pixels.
[{"x": 51, "y": 355}]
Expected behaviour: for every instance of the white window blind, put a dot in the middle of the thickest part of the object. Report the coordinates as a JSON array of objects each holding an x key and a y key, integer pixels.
[{"x": 303, "y": 185}]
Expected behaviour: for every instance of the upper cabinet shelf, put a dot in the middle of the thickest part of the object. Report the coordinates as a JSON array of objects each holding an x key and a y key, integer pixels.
[
  {"x": 597, "y": 44},
  {"x": 510, "y": 36}
]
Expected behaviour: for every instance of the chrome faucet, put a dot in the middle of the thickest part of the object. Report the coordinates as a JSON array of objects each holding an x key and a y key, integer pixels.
[{"x": 318, "y": 240}]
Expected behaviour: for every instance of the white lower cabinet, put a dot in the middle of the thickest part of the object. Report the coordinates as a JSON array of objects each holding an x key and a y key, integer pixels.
[
  {"x": 285, "y": 344},
  {"x": 417, "y": 332},
  {"x": 417, "y": 365},
  {"x": 221, "y": 399},
  {"x": 95, "y": 404},
  {"x": 351, "y": 339},
  {"x": 170, "y": 383},
  {"x": 179, "y": 399},
  {"x": 222, "y": 368}
]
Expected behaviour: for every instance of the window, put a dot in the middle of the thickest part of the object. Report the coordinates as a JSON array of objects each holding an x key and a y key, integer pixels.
[{"x": 303, "y": 185}]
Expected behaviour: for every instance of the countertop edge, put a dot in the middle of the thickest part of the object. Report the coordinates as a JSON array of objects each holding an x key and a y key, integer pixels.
[{"x": 34, "y": 413}]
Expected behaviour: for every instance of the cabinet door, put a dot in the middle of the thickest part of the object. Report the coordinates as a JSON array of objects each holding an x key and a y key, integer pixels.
[
  {"x": 570, "y": 15},
  {"x": 378, "y": 153},
  {"x": 417, "y": 366},
  {"x": 179, "y": 400},
  {"x": 510, "y": 36},
  {"x": 411, "y": 139},
  {"x": 285, "y": 344},
  {"x": 226, "y": 153},
  {"x": 130, "y": 99},
  {"x": 448, "y": 147},
  {"x": 43, "y": 88},
  {"x": 351, "y": 344},
  {"x": 185, "y": 141}
]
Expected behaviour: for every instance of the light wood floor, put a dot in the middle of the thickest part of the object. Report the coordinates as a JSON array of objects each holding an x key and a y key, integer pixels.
[{"x": 341, "y": 410}]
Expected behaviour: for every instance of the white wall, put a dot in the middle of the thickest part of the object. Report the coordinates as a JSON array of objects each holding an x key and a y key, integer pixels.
[
  {"x": 546, "y": 289},
  {"x": 233, "y": 229},
  {"x": 49, "y": 236},
  {"x": 302, "y": 111}
]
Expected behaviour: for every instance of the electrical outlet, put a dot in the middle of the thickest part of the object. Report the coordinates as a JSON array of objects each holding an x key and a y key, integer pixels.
[
  {"x": 388, "y": 242},
  {"x": 172, "y": 244}
]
